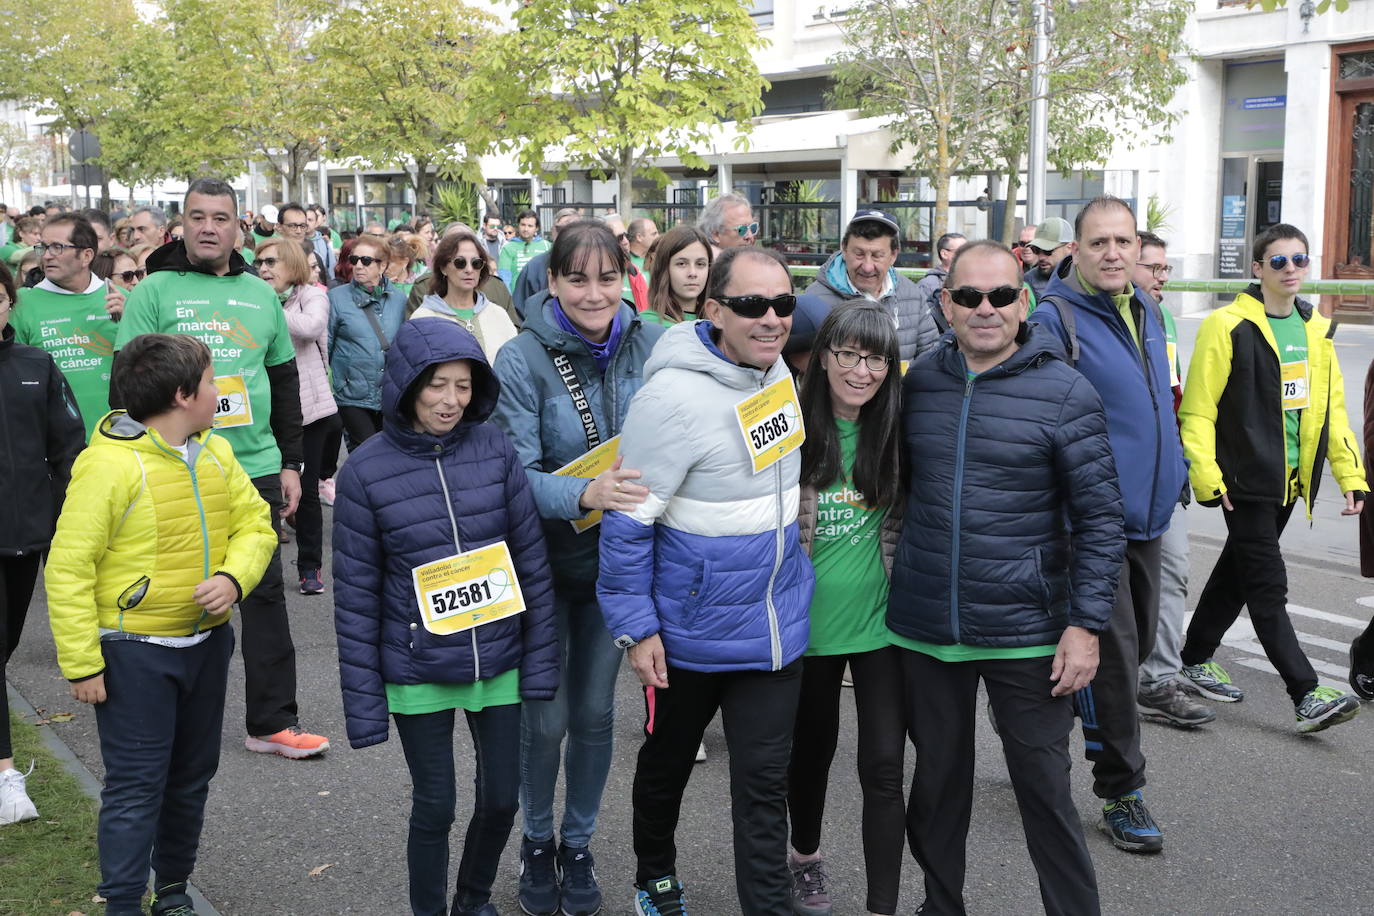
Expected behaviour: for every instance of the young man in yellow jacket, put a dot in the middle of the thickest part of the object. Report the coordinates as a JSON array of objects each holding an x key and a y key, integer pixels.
[
  {"x": 1263, "y": 409},
  {"x": 162, "y": 532}
]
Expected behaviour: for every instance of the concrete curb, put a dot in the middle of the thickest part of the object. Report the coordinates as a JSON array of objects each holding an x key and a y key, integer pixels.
[{"x": 89, "y": 783}]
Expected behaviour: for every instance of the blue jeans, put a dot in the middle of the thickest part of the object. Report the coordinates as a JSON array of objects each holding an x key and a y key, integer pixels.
[
  {"x": 160, "y": 736},
  {"x": 584, "y": 710},
  {"x": 428, "y": 743}
]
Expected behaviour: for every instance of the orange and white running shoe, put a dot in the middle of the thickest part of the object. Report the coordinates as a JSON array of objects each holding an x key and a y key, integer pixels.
[{"x": 294, "y": 742}]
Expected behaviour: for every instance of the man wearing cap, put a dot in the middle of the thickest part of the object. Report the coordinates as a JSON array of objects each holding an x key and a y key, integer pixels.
[
  {"x": 864, "y": 268},
  {"x": 1048, "y": 248},
  {"x": 933, "y": 282}
]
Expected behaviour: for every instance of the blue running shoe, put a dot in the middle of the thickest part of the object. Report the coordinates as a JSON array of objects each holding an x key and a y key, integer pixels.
[
  {"x": 578, "y": 892},
  {"x": 538, "y": 877},
  {"x": 1127, "y": 821},
  {"x": 661, "y": 897}
]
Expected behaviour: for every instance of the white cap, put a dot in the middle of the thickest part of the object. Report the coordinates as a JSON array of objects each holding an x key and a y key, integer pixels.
[{"x": 269, "y": 214}]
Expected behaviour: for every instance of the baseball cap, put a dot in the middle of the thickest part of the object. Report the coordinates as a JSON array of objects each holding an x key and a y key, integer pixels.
[
  {"x": 269, "y": 214},
  {"x": 874, "y": 216},
  {"x": 1052, "y": 233}
]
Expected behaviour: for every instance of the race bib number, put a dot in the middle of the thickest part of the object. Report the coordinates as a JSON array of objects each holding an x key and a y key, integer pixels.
[
  {"x": 1294, "y": 377},
  {"x": 771, "y": 423},
  {"x": 589, "y": 465},
  {"x": 468, "y": 590},
  {"x": 232, "y": 407},
  {"x": 1171, "y": 349}
]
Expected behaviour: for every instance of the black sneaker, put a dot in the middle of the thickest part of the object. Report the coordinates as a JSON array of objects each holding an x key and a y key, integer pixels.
[
  {"x": 1361, "y": 673},
  {"x": 1129, "y": 824},
  {"x": 578, "y": 892},
  {"x": 172, "y": 900},
  {"x": 538, "y": 877},
  {"x": 661, "y": 897},
  {"x": 1171, "y": 705},
  {"x": 1324, "y": 707}
]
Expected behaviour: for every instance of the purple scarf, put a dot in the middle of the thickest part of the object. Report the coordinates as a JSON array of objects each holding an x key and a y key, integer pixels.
[{"x": 601, "y": 352}]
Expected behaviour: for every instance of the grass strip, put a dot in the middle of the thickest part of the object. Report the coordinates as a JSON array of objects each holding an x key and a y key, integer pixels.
[{"x": 49, "y": 865}]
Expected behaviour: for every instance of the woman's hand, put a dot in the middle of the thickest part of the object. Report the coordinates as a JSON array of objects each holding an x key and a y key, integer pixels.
[{"x": 613, "y": 489}]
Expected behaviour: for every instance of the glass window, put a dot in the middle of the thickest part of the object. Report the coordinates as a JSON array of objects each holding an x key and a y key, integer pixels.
[
  {"x": 1357, "y": 66},
  {"x": 761, "y": 11}
]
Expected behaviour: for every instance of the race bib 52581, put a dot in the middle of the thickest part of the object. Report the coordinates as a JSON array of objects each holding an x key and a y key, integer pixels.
[
  {"x": 468, "y": 590},
  {"x": 771, "y": 423}
]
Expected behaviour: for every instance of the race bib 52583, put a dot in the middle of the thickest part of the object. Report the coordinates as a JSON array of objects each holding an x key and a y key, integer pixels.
[{"x": 771, "y": 423}]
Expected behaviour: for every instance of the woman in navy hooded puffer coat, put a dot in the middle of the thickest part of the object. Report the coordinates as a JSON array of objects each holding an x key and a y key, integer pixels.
[{"x": 427, "y": 488}]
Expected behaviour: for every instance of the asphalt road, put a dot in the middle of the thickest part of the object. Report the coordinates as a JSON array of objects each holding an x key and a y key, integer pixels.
[{"x": 1257, "y": 819}]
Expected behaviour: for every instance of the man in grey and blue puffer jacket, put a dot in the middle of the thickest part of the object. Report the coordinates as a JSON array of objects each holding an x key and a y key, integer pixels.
[{"x": 706, "y": 583}]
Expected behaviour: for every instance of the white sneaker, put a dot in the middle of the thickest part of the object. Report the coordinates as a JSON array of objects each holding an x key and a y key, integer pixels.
[{"x": 15, "y": 804}]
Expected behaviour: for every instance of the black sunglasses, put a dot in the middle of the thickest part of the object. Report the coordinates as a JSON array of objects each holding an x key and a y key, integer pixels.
[
  {"x": 971, "y": 297},
  {"x": 461, "y": 263},
  {"x": 365, "y": 260},
  {"x": 129, "y": 276},
  {"x": 268, "y": 262},
  {"x": 758, "y": 306},
  {"x": 1280, "y": 261}
]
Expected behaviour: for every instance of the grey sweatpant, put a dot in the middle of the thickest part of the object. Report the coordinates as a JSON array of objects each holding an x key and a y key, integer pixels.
[{"x": 1164, "y": 662}]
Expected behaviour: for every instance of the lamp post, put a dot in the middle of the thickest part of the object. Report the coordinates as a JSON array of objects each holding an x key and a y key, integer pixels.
[{"x": 1039, "y": 114}]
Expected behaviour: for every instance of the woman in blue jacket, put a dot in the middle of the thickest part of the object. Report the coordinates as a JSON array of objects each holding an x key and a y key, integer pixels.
[
  {"x": 364, "y": 316},
  {"x": 583, "y": 328},
  {"x": 440, "y": 483}
]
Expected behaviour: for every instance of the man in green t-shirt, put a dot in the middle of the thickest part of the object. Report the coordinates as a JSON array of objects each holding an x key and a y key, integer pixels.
[
  {"x": 1006, "y": 573},
  {"x": 641, "y": 234},
  {"x": 518, "y": 251},
  {"x": 72, "y": 314},
  {"x": 202, "y": 287},
  {"x": 1263, "y": 410}
]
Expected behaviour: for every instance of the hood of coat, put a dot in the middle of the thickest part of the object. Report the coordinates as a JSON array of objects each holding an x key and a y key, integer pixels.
[
  {"x": 437, "y": 304},
  {"x": 689, "y": 346},
  {"x": 421, "y": 343},
  {"x": 173, "y": 256},
  {"x": 119, "y": 430},
  {"x": 540, "y": 322}
]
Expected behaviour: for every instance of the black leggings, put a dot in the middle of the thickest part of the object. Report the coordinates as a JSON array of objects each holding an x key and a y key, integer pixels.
[
  {"x": 309, "y": 516},
  {"x": 878, "y": 690},
  {"x": 17, "y": 577},
  {"x": 359, "y": 424}
]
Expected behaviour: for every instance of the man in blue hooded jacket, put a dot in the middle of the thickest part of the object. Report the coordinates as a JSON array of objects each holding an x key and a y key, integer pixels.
[{"x": 1112, "y": 336}]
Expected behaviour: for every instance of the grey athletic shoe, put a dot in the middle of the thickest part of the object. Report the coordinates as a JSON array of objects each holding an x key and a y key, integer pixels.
[
  {"x": 810, "y": 890},
  {"x": 1212, "y": 681},
  {"x": 1324, "y": 707},
  {"x": 1170, "y": 704}
]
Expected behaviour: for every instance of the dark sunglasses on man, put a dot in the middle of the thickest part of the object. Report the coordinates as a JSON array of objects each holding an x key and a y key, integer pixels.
[
  {"x": 1280, "y": 261},
  {"x": 970, "y": 297},
  {"x": 758, "y": 306}
]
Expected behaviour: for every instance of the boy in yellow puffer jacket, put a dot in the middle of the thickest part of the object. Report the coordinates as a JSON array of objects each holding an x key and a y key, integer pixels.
[{"x": 162, "y": 532}]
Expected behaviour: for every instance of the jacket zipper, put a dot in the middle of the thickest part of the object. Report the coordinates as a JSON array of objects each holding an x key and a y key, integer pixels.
[
  {"x": 774, "y": 638},
  {"x": 955, "y": 510},
  {"x": 458, "y": 548},
  {"x": 1154, "y": 403}
]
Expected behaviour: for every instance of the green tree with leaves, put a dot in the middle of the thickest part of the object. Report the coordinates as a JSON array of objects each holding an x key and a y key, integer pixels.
[
  {"x": 402, "y": 79},
  {"x": 614, "y": 84},
  {"x": 956, "y": 76}
]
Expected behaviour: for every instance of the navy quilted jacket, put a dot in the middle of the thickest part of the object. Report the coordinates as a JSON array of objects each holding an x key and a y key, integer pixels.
[
  {"x": 998, "y": 464},
  {"x": 406, "y": 498}
]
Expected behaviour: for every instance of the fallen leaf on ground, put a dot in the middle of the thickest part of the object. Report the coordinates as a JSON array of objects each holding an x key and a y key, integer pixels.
[
  {"x": 322, "y": 794},
  {"x": 61, "y": 717},
  {"x": 319, "y": 869}
]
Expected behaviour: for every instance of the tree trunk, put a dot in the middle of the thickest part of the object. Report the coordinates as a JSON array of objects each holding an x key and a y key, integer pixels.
[
  {"x": 484, "y": 192},
  {"x": 944, "y": 168},
  {"x": 625, "y": 173},
  {"x": 1013, "y": 176},
  {"x": 422, "y": 184}
]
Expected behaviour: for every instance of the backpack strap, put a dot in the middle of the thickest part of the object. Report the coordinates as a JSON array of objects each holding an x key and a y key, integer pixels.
[{"x": 1070, "y": 323}]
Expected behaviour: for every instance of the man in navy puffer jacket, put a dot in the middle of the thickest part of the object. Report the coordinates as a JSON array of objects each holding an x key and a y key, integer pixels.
[
  {"x": 1118, "y": 344},
  {"x": 1011, "y": 543}
]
